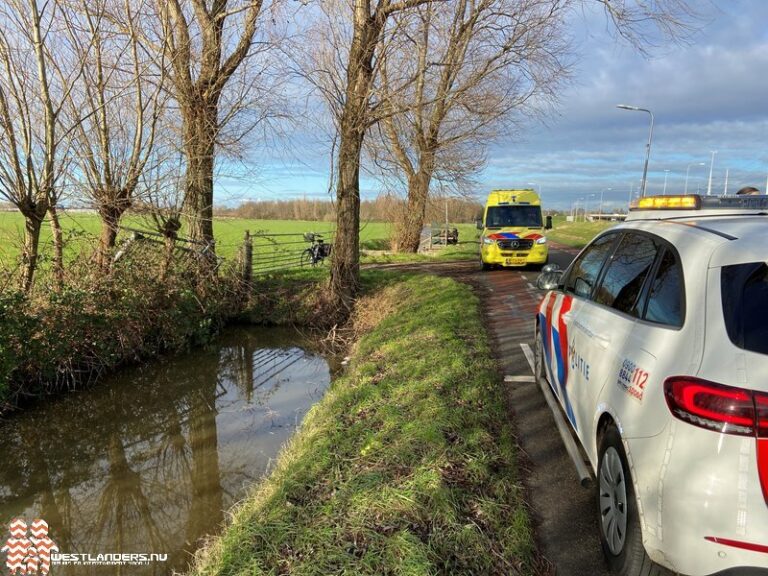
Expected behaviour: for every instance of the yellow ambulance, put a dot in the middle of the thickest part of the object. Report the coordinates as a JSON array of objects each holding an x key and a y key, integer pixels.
[{"x": 513, "y": 230}]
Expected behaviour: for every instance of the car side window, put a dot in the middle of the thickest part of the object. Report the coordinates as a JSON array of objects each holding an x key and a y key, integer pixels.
[
  {"x": 744, "y": 290},
  {"x": 626, "y": 272},
  {"x": 585, "y": 270},
  {"x": 666, "y": 298}
]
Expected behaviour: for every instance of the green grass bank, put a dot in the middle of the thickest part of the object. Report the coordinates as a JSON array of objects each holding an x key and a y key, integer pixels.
[
  {"x": 576, "y": 234},
  {"x": 406, "y": 466}
]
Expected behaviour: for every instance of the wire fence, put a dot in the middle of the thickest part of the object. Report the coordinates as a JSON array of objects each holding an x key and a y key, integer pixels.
[
  {"x": 260, "y": 253},
  {"x": 265, "y": 253}
]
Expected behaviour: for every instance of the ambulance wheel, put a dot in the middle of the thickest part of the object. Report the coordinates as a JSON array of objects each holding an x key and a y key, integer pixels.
[{"x": 485, "y": 267}]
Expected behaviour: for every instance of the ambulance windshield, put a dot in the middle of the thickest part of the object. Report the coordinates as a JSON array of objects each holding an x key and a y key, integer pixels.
[{"x": 513, "y": 216}]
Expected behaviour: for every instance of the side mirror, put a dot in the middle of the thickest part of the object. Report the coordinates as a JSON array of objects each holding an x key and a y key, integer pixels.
[
  {"x": 550, "y": 268},
  {"x": 549, "y": 280},
  {"x": 548, "y": 225},
  {"x": 479, "y": 224}
]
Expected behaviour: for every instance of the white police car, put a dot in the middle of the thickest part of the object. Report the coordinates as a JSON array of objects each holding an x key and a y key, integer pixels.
[{"x": 655, "y": 342}]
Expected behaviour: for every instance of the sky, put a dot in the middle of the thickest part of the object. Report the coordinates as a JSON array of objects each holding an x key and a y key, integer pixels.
[{"x": 707, "y": 95}]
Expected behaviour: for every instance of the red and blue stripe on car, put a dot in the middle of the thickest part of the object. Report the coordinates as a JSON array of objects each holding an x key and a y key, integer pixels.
[{"x": 555, "y": 344}]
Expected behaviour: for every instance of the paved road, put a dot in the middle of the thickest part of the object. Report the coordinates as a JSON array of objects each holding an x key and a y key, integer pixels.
[{"x": 564, "y": 512}]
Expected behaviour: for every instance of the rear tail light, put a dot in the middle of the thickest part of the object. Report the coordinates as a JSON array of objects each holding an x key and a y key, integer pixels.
[
  {"x": 712, "y": 406},
  {"x": 724, "y": 409},
  {"x": 761, "y": 414},
  {"x": 761, "y": 407},
  {"x": 762, "y": 465}
]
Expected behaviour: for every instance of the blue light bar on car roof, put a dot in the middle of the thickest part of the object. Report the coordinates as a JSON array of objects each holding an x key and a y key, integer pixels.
[{"x": 757, "y": 202}]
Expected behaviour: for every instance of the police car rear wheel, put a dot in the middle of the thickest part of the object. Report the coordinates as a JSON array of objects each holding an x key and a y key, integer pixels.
[{"x": 620, "y": 534}]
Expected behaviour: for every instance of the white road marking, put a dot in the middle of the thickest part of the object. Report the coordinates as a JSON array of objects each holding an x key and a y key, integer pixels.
[
  {"x": 531, "y": 286},
  {"x": 523, "y": 378},
  {"x": 528, "y": 355}
]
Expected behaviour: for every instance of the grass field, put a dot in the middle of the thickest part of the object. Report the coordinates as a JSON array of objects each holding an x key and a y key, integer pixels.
[
  {"x": 407, "y": 465},
  {"x": 82, "y": 230},
  {"x": 576, "y": 234}
]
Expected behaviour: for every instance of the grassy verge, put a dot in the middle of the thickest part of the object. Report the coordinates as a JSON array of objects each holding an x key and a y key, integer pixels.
[
  {"x": 468, "y": 250},
  {"x": 576, "y": 234},
  {"x": 406, "y": 466}
]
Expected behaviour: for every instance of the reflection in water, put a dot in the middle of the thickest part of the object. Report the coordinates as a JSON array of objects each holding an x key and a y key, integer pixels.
[{"x": 148, "y": 461}]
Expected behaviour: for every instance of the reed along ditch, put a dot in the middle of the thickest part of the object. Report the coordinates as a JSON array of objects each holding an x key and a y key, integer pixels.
[{"x": 147, "y": 461}]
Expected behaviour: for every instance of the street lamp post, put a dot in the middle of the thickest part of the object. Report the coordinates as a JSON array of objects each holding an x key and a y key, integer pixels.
[
  {"x": 666, "y": 173},
  {"x": 600, "y": 211},
  {"x": 647, "y": 146},
  {"x": 687, "y": 171},
  {"x": 711, "y": 165}
]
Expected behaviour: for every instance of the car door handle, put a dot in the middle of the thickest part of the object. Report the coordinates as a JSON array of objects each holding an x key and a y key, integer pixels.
[{"x": 602, "y": 341}]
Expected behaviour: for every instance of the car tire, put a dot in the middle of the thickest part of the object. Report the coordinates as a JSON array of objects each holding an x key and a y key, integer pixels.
[
  {"x": 619, "y": 522},
  {"x": 484, "y": 267}
]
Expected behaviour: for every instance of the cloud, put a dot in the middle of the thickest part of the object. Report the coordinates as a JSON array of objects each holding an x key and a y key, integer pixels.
[{"x": 706, "y": 96}]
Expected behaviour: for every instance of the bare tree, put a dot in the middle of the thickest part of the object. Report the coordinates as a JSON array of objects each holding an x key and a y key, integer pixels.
[
  {"x": 345, "y": 69},
  {"x": 472, "y": 64},
  {"x": 357, "y": 45},
  {"x": 116, "y": 109},
  {"x": 198, "y": 34},
  {"x": 31, "y": 102}
]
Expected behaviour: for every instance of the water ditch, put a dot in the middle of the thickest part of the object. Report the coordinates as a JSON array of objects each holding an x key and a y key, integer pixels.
[{"x": 148, "y": 461}]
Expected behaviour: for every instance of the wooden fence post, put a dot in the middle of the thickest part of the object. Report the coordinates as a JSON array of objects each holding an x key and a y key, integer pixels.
[{"x": 247, "y": 258}]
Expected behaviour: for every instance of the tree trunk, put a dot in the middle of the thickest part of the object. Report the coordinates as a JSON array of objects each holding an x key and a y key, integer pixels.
[
  {"x": 413, "y": 220},
  {"x": 200, "y": 125},
  {"x": 58, "y": 247},
  {"x": 169, "y": 247},
  {"x": 110, "y": 215},
  {"x": 32, "y": 225},
  {"x": 206, "y": 508},
  {"x": 345, "y": 269},
  {"x": 354, "y": 121}
]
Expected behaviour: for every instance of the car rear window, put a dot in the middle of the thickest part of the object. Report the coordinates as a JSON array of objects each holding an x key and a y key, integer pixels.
[
  {"x": 666, "y": 299},
  {"x": 744, "y": 289}
]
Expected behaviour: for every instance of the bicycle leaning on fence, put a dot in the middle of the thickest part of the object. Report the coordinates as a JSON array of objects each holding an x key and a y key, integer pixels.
[{"x": 317, "y": 252}]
